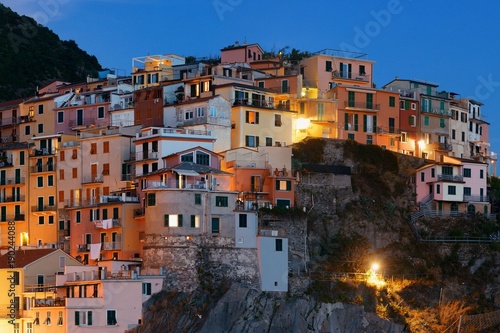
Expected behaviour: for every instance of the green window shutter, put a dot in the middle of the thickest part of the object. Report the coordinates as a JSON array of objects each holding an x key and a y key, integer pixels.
[
  {"x": 277, "y": 185},
  {"x": 441, "y": 106},
  {"x": 426, "y": 120},
  {"x": 346, "y": 121},
  {"x": 247, "y": 116},
  {"x": 392, "y": 101},
  {"x": 364, "y": 122},
  {"x": 374, "y": 124},
  {"x": 407, "y": 105},
  {"x": 165, "y": 220},
  {"x": 193, "y": 221},
  {"x": 430, "y": 105},
  {"x": 355, "y": 122},
  {"x": 89, "y": 319},
  {"x": 179, "y": 220},
  {"x": 288, "y": 185},
  {"x": 77, "y": 318},
  {"x": 256, "y": 117},
  {"x": 410, "y": 120},
  {"x": 442, "y": 123}
]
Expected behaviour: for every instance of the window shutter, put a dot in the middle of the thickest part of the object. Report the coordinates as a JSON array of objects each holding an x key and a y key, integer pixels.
[
  {"x": 364, "y": 122},
  {"x": 77, "y": 318},
  {"x": 257, "y": 140},
  {"x": 374, "y": 124},
  {"x": 277, "y": 185},
  {"x": 247, "y": 116},
  {"x": 346, "y": 121},
  {"x": 165, "y": 220},
  {"x": 256, "y": 117},
  {"x": 193, "y": 221},
  {"x": 180, "y": 220},
  {"x": 356, "y": 122},
  {"x": 89, "y": 321},
  {"x": 288, "y": 185}
]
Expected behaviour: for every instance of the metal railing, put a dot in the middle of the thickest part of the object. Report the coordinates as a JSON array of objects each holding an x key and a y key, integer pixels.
[
  {"x": 44, "y": 208},
  {"x": 13, "y": 198},
  {"x": 147, "y": 155},
  {"x": 477, "y": 198},
  {"x": 43, "y": 168},
  {"x": 351, "y": 76},
  {"x": 95, "y": 178},
  {"x": 109, "y": 246},
  {"x": 12, "y": 181},
  {"x": 102, "y": 224},
  {"x": 450, "y": 178},
  {"x": 362, "y": 105}
]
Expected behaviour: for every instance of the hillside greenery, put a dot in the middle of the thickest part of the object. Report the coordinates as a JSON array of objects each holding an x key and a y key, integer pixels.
[{"x": 32, "y": 56}]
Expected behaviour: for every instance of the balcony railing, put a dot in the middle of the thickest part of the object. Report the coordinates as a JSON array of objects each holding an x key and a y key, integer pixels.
[
  {"x": 444, "y": 146},
  {"x": 388, "y": 130},
  {"x": 45, "y": 208},
  {"x": 49, "y": 302},
  {"x": 147, "y": 155},
  {"x": 43, "y": 152},
  {"x": 255, "y": 103},
  {"x": 12, "y": 181},
  {"x": 26, "y": 119},
  {"x": 173, "y": 184},
  {"x": 104, "y": 199},
  {"x": 450, "y": 178},
  {"x": 109, "y": 246},
  {"x": 13, "y": 198},
  {"x": 43, "y": 168},
  {"x": 5, "y": 163},
  {"x": 83, "y": 247},
  {"x": 362, "y": 105},
  {"x": 117, "y": 198},
  {"x": 126, "y": 177},
  {"x": 446, "y": 112},
  {"x": 476, "y": 198},
  {"x": 351, "y": 76},
  {"x": 107, "y": 224},
  {"x": 95, "y": 178},
  {"x": 139, "y": 212}
]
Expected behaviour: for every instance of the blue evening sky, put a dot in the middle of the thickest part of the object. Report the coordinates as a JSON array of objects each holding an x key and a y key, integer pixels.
[{"x": 452, "y": 43}]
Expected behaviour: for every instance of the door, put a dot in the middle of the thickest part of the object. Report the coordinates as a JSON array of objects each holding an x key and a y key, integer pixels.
[
  {"x": 215, "y": 225},
  {"x": 40, "y": 204},
  {"x": 79, "y": 117},
  {"x": 40, "y": 281},
  {"x": 93, "y": 172},
  {"x": 18, "y": 176},
  {"x": 2, "y": 177}
]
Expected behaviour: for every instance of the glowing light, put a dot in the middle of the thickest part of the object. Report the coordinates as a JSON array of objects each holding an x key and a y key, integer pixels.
[
  {"x": 421, "y": 143},
  {"x": 302, "y": 123},
  {"x": 375, "y": 267}
]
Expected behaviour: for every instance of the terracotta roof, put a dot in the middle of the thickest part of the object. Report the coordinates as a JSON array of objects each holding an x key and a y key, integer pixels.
[{"x": 25, "y": 257}]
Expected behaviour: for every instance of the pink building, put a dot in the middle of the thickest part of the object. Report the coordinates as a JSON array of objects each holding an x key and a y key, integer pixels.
[{"x": 241, "y": 53}]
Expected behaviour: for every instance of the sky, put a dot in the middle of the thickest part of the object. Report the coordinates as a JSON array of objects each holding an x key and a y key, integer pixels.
[{"x": 453, "y": 44}]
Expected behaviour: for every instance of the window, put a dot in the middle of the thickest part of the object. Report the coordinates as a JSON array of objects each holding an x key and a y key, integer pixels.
[
  {"x": 75, "y": 172},
  {"x": 105, "y": 147},
  {"x": 61, "y": 174},
  {"x": 40, "y": 128},
  {"x": 200, "y": 112},
  {"x": 404, "y": 137},
  {"x": 215, "y": 225},
  {"x": 27, "y": 130},
  {"x": 21, "y": 158},
  {"x": 221, "y": 201},
  {"x": 369, "y": 101},
  {"x": 83, "y": 318},
  {"x": 277, "y": 120},
  {"x": 39, "y": 181},
  {"x": 213, "y": 111},
  {"x": 392, "y": 101},
  {"x": 197, "y": 198},
  {"x": 50, "y": 180},
  {"x": 463, "y": 136},
  {"x": 202, "y": 158},
  {"x": 412, "y": 121},
  {"x": 447, "y": 170},
  {"x": 93, "y": 148},
  {"x": 320, "y": 108},
  {"x": 105, "y": 169},
  {"x": 187, "y": 157},
  {"x": 328, "y": 66},
  {"x": 433, "y": 173},
  {"x": 413, "y": 106},
  {"x": 40, "y": 109},
  {"x": 251, "y": 141},
  {"x": 442, "y": 123},
  {"x": 438, "y": 189},
  {"x": 60, "y": 319},
  {"x": 60, "y": 117},
  {"x": 467, "y": 172},
  {"x": 252, "y": 117},
  {"x": 41, "y": 220},
  {"x": 115, "y": 213},
  {"x": 111, "y": 317},
  {"x": 195, "y": 221},
  {"x": 350, "y": 99},
  {"x": 279, "y": 244},
  {"x": 422, "y": 176},
  {"x": 243, "y": 221},
  {"x": 100, "y": 112},
  {"x": 426, "y": 120},
  {"x": 47, "y": 319},
  {"x": 146, "y": 288},
  {"x": 51, "y": 219},
  {"x": 151, "y": 199},
  {"x": 369, "y": 139},
  {"x": 302, "y": 107},
  {"x": 188, "y": 115},
  {"x": 481, "y": 174},
  {"x": 467, "y": 191},
  {"x": 452, "y": 189},
  {"x": 284, "y": 185},
  {"x": 350, "y": 136},
  {"x": 78, "y": 216}
]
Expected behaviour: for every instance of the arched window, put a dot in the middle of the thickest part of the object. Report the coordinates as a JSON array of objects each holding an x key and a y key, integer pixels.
[{"x": 471, "y": 209}]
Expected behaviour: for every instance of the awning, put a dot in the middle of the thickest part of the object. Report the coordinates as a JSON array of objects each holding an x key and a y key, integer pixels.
[{"x": 186, "y": 172}]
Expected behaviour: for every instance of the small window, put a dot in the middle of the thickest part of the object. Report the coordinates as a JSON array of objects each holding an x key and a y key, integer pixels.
[
  {"x": 452, "y": 190},
  {"x": 151, "y": 199},
  {"x": 60, "y": 117},
  {"x": 40, "y": 128},
  {"x": 392, "y": 101},
  {"x": 279, "y": 244},
  {"x": 467, "y": 172},
  {"x": 243, "y": 220},
  {"x": 422, "y": 176},
  {"x": 78, "y": 216},
  {"x": 100, "y": 112},
  {"x": 221, "y": 201},
  {"x": 105, "y": 147},
  {"x": 481, "y": 174},
  {"x": 146, "y": 288},
  {"x": 252, "y": 117},
  {"x": 284, "y": 185},
  {"x": 277, "y": 120},
  {"x": 39, "y": 181},
  {"x": 197, "y": 198},
  {"x": 50, "y": 180},
  {"x": 215, "y": 225},
  {"x": 93, "y": 148},
  {"x": 111, "y": 317}
]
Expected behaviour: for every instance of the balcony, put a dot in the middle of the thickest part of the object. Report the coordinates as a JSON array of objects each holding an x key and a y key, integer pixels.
[
  {"x": 147, "y": 155},
  {"x": 117, "y": 198},
  {"x": 13, "y": 198},
  {"x": 361, "y": 105},
  {"x": 43, "y": 168},
  {"x": 83, "y": 247},
  {"x": 388, "y": 130},
  {"x": 107, "y": 224},
  {"x": 254, "y": 103},
  {"x": 27, "y": 119},
  {"x": 94, "y": 178},
  {"x": 5, "y": 162},
  {"x": 173, "y": 184},
  {"x": 351, "y": 76},
  {"x": 476, "y": 198},
  {"x": 139, "y": 212},
  {"x": 438, "y": 112},
  {"x": 450, "y": 178},
  {"x": 44, "y": 208},
  {"x": 43, "y": 152},
  {"x": 12, "y": 181},
  {"x": 49, "y": 302},
  {"x": 110, "y": 246},
  {"x": 444, "y": 146}
]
